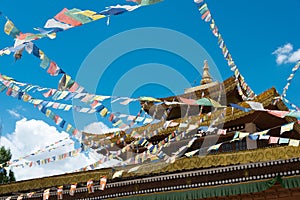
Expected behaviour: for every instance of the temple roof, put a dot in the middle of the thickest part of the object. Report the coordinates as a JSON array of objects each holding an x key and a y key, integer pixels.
[
  {"x": 266, "y": 98},
  {"x": 219, "y": 159}
]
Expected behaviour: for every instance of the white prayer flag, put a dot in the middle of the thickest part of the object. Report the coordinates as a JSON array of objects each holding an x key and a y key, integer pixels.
[
  {"x": 294, "y": 143},
  {"x": 191, "y": 153},
  {"x": 264, "y": 137},
  {"x": 134, "y": 169},
  {"x": 256, "y": 105},
  {"x": 118, "y": 174},
  {"x": 221, "y": 132},
  {"x": 52, "y": 23},
  {"x": 287, "y": 127},
  {"x": 242, "y": 135},
  {"x": 214, "y": 147}
]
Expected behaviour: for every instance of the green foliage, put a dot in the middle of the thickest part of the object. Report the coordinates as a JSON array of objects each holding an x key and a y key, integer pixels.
[{"x": 5, "y": 156}]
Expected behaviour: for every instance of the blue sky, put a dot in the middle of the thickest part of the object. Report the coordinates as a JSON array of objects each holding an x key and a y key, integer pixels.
[{"x": 252, "y": 31}]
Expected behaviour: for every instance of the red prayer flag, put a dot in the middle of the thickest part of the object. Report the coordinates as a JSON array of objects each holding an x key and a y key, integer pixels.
[
  {"x": 9, "y": 91},
  {"x": 95, "y": 102},
  {"x": 205, "y": 14},
  {"x": 66, "y": 19},
  {"x": 273, "y": 140},
  {"x": 74, "y": 87},
  {"x": 111, "y": 117},
  {"x": 188, "y": 101},
  {"x": 53, "y": 69},
  {"x": 278, "y": 113}
]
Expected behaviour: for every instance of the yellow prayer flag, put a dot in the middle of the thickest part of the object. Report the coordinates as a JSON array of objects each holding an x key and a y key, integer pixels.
[
  {"x": 287, "y": 127},
  {"x": 26, "y": 97},
  {"x": 42, "y": 55},
  {"x": 68, "y": 107},
  {"x": 101, "y": 98},
  {"x": 261, "y": 132},
  {"x": 52, "y": 35},
  {"x": 48, "y": 112},
  {"x": 69, "y": 126},
  {"x": 68, "y": 78},
  {"x": 37, "y": 101},
  {"x": 103, "y": 112},
  {"x": 91, "y": 14},
  {"x": 8, "y": 27},
  {"x": 149, "y": 99}
]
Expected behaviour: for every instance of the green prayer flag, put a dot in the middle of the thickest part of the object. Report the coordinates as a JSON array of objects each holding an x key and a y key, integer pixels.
[
  {"x": 149, "y": 2},
  {"x": 45, "y": 62},
  {"x": 204, "y": 102},
  {"x": 74, "y": 13}
]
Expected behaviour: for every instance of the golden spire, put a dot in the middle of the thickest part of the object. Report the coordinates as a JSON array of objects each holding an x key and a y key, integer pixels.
[{"x": 206, "y": 78}]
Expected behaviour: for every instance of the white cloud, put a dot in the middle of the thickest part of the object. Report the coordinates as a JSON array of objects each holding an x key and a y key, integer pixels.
[
  {"x": 99, "y": 128},
  {"x": 284, "y": 49},
  {"x": 32, "y": 135},
  {"x": 294, "y": 57},
  {"x": 14, "y": 113},
  {"x": 281, "y": 58},
  {"x": 285, "y": 54}
]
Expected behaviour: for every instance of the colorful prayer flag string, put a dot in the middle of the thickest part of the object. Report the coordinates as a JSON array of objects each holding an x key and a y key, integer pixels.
[
  {"x": 67, "y": 19},
  {"x": 239, "y": 79},
  {"x": 46, "y": 148},
  {"x": 290, "y": 78}
]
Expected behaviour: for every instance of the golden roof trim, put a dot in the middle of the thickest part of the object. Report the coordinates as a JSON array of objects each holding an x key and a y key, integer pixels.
[{"x": 183, "y": 164}]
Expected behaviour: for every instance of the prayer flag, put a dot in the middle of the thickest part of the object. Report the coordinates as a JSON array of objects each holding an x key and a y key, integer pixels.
[
  {"x": 53, "y": 70},
  {"x": 73, "y": 189},
  {"x": 103, "y": 181},
  {"x": 264, "y": 137},
  {"x": 30, "y": 194},
  {"x": 134, "y": 169},
  {"x": 46, "y": 194},
  {"x": 188, "y": 101},
  {"x": 10, "y": 29},
  {"x": 294, "y": 143},
  {"x": 253, "y": 137},
  {"x": 45, "y": 62},
  {"x": 273, "y": 140},
  {"x": 242, "y": 135},
  {"x": 60, "y": 192},
  {"x": 295, "y": 114},
  {"x": 91, "y": 14},
  {"x": 90, "y": 186},
  {"x": 52, "y": 23},
  {"x": 278, "y": 113},
  {"x": 284, "y": 140},
  {"x": 191, "y": 153},
  {"x": 261, "y": 132},
  {"x": 62, "y": 17},
  {"x": 75, "y": 14},
  {"x": 118, "y": 174},
  {"x": 287, "y": 127},
  {"x": 256, "y": 105},
  {"x": 221, "y": 132},
  {"x": 240, "y": 107},
  {"x": 214, "y": 147}
]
